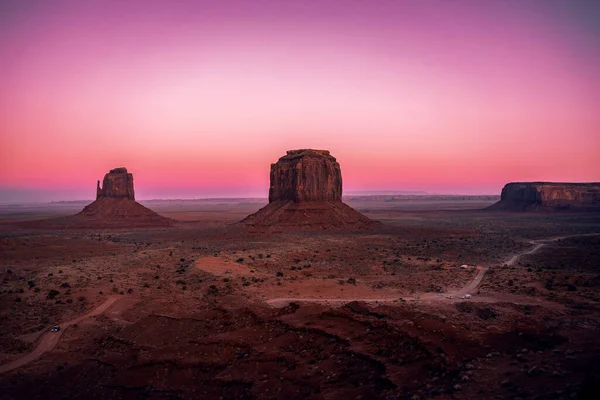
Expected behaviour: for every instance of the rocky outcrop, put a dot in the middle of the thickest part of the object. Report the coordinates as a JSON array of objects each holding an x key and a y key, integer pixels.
[
  {"x": 306, "y": 175},
  {"x": 527, "y": 196},
  {"x": 115, "y": 207},
  {"x": 306, "y": 193},
  {"x": 118, "y": 183}
]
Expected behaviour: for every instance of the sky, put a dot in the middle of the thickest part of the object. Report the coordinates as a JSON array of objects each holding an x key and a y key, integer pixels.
[{"x": 198, "y": 98}]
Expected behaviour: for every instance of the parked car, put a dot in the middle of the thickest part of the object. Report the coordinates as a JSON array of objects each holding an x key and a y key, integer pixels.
[{"x": 55, "y": 328}]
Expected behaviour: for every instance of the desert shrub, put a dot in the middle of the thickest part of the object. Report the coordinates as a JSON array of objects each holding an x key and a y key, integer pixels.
[
  {"x": 213, "y": 290},
  {"x": 351, "y": 281},
  {"x": 31, "y": 283},
  {"x": 53, "y": 293},
  {"x": 279, "y": 273},
  {"x": 486, "y": 313},
  {"x": 240, "y": 260},
  {"x": 37, "y": 290}
]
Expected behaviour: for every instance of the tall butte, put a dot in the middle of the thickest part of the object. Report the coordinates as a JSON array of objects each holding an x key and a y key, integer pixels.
[
  {"x": 115, "y": 205},
  {"x": 306, "y": 192}
]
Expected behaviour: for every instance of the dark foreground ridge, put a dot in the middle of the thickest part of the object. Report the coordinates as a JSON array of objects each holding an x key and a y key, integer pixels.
[
  {"x": 549, "y": 196},
  {"x": 306, "y": 192}
]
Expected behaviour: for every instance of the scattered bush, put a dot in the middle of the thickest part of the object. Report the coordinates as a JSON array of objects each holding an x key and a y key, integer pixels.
[{"x": 53, "y": 293}]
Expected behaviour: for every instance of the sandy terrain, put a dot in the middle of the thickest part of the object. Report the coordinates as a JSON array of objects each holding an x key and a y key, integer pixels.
[{"x": 204, "y": 309}]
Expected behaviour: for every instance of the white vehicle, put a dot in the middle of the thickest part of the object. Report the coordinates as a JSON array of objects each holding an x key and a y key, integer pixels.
[
  {"x": 55, "y": 328},
  {"x": 461, "y": 297},
  {"x": 464, "y": 266},
  {"x": 467, "y": 296},
  {"x": 449, "y": 297}
]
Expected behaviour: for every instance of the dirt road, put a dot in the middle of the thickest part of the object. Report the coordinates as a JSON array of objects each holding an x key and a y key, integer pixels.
[
  {"x": 50, "y": 339},
  {"x": 469, "y": 288}
]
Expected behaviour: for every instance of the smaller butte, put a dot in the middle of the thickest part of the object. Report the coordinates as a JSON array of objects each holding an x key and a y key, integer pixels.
[
  {"x": 306, "y": 193},
  {"x": 115, "y": 207},
  {"x": 115, "y": 204}
]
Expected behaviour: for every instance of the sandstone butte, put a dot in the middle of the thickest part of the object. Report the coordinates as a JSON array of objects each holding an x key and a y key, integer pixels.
[
  {"x": 306, "y": 192},
  {"x": 115, "y": 207},
  {"x": 118, "y": 183},
  {"x": 115, "y": 204},
  {"x": 549, "y": 196}
]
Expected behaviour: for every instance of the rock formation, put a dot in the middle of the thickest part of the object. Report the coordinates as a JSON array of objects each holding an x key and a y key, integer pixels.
[
  {"x": 530, "y": 196},
  {"x": 115, "y": 207},
  {"x": 118, "y": 183},
  {"x": 306, "y": 175},
  {"x": 306, "y": 192}
]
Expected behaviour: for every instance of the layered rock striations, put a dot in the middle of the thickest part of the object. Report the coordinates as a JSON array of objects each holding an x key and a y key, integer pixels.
[
  {"x": 306, "y": 192},
  {"x": 306, "y": 175},
  {"x": 118, "y": 183},
  {"x": 531, "y": 196}
]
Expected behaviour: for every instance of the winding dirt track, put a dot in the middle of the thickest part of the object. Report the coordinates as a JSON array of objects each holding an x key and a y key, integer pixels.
[
  {"x": 467, "y": 289},
  {"x": 50, "y": 339}
]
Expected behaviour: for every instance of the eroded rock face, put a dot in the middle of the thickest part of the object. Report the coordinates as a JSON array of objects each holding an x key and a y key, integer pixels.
[
  {"x": 549, "y": 195},
  {"x": 306, "y": 193},
  {"x": 306, "y": 175},
  {"x": 118, "y": 183}
]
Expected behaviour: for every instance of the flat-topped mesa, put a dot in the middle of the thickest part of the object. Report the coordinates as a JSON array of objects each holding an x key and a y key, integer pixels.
[
  {"x": 118, "y": 183},
  {"x": 520, "y": 196},
  {"x": 306, "y": 175}
]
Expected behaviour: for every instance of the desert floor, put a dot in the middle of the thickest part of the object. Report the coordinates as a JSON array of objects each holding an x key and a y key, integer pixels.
[{"x": 213, "y": 310}]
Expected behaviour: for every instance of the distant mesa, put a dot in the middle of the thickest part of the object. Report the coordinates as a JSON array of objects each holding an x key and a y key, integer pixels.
[
  {"x": 549, "y": 196},
  {"x": 306, "y": 192}
]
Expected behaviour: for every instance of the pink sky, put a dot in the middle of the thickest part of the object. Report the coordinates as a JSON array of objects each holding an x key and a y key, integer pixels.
[{"x": 198, "y": 98}]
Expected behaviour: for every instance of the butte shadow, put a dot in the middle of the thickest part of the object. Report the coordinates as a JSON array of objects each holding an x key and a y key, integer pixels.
[
  {"x": 306, "y": 194},
  {"x": 115, "y": 207},
  {"x": 548, "y": 196}
]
